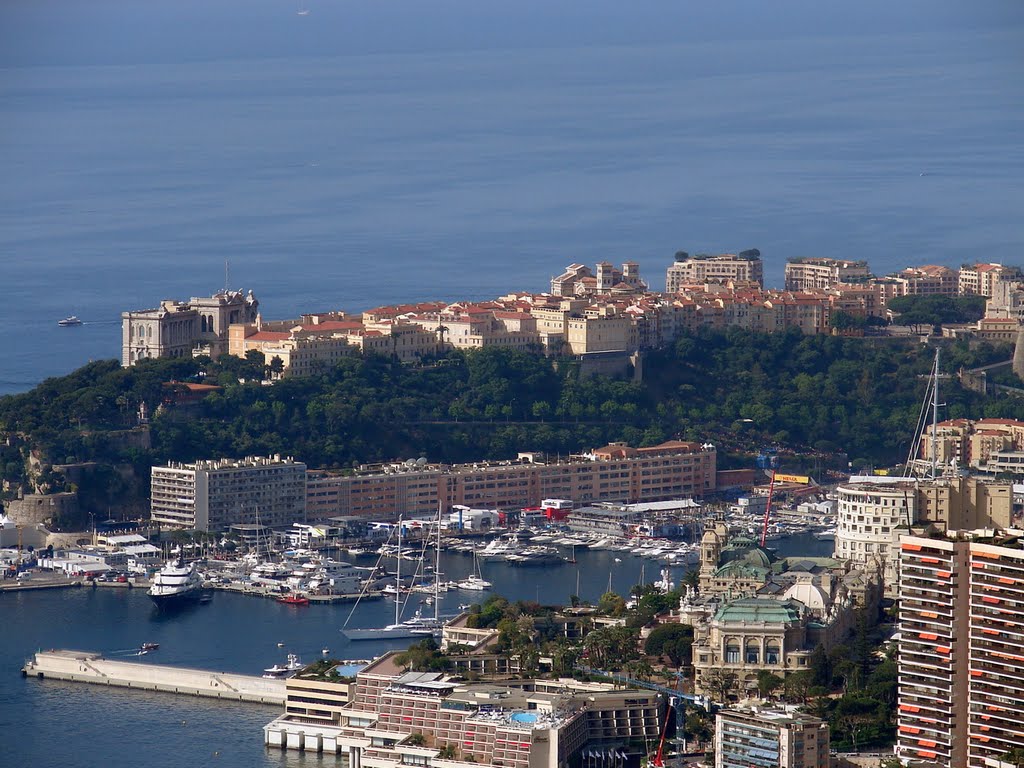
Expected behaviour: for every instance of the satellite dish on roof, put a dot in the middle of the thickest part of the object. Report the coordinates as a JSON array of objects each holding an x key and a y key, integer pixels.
[
  {"x": 421, "y": 461},
  {"x": 410, "y": 462}
]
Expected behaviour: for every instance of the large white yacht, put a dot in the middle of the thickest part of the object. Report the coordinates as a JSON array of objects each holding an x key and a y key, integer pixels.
[
  {"x": 416, "y": 626},
  {"x": 499, "y": 549},
  {"x": 176, "y": 583}
]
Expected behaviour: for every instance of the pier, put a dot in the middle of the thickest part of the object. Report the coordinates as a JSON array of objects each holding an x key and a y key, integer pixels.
[{"x": 90, "y": 667}]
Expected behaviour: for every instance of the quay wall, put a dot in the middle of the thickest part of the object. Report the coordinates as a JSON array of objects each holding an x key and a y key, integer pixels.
[{"x": 87, "y": 667}]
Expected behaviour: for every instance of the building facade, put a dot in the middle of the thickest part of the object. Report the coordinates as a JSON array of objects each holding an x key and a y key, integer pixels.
[
  {"x": 211, "y": 495},
  {"x": 873, "y": 512},
  {"x": 756, "y": 613},
  {"x": 985, "y": 279},
  {"x": 181, "y": 329},
  {"x": 770, "y": 738},
  {"x": 615, "y": 473},
  {"x": 810, "y": 274},
  {"x": 745, "y": 266},
  {"x": 388, "y": 718},
  {"x": 961, "y": 656}
]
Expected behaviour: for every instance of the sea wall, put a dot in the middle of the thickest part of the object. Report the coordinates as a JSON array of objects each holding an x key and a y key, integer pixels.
[{"x": 88, "y": 667}]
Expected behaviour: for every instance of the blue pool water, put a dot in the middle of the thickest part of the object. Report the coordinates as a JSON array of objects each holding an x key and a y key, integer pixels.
[{"x": 524, "y": 717}]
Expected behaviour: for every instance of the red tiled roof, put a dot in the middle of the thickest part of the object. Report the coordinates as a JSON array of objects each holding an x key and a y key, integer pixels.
[{"x": 268, "y": 336}]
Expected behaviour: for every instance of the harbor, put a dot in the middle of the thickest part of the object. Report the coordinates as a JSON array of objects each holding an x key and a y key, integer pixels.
[{"x": 239, "y": 636}]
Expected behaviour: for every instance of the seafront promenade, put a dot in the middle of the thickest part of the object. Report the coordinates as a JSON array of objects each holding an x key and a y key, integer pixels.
[{"x": 91, "y": 667}]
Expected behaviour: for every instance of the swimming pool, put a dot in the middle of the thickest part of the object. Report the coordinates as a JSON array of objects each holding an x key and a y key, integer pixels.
[{"x": 523, "y": 717}]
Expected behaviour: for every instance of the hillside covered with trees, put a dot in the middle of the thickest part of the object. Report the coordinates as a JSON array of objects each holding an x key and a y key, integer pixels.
[{"x": 739, "y": 390}]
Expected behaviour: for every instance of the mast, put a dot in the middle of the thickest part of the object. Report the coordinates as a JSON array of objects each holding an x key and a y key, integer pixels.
[
  {"x": 935, "y": 416},
  {"x": 398, "y": 574},
  {"x": 437, "y": 565}
]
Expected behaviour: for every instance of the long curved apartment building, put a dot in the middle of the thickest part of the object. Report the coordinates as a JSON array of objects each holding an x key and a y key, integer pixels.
[{"x": 870, "y": 513}]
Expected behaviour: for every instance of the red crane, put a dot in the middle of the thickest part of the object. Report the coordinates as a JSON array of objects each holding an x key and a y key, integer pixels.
[{"x": 659, "y": 758}]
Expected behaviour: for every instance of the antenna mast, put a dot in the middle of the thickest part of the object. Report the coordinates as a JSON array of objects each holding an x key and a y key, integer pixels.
[{"x": 226, "y": 282}]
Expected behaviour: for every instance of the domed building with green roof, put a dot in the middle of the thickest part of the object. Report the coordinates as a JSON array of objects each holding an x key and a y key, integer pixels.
[{"x": 755, "y": 611}]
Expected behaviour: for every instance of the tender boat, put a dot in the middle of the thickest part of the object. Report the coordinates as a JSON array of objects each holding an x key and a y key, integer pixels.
[
  {"x": 71, "y": 320},
  {"x": 176, "y": 583},
  {"x": 293, "y": 600}
]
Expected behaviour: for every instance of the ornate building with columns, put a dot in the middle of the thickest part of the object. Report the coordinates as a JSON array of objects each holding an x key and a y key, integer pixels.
[{"x": 754, "y": 611}]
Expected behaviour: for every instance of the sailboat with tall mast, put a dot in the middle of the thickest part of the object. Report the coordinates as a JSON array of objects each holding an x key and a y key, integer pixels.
[{"x": 416, "y": 626}]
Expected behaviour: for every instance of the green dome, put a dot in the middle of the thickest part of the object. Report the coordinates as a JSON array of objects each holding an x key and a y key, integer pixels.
[
  {"x": 759, "y": 609},
  {"x": 746, "y": 551}
]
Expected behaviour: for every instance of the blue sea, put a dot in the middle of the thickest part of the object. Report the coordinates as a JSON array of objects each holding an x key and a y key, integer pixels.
[
  {"x": 75, "y": 725},
  {"x": 400, "y": 150}
]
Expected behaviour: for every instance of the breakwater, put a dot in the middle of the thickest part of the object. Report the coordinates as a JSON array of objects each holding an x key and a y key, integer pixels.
[{"x": 91, "y": 667}]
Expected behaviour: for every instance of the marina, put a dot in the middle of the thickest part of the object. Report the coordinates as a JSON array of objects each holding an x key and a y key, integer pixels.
[{"x": 240, "y": 636}]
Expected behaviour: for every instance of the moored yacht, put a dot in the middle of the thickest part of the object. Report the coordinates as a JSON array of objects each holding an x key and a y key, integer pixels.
[
  {"x": 416, "y": 626},
  {"x": 284, "y": 670},
  {"x": 176, "y": 583}
]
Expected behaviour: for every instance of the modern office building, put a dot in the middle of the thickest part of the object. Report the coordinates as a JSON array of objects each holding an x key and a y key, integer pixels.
[
  {"x": 212, "y": 495},
  {"x": 615, "y": 473},
  {"x": 961, "y": 649},
  {"x": 770, "y": 738}
]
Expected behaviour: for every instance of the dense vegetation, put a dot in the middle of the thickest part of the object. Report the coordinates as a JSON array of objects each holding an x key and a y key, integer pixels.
[
  {"x": 931, "y": 310},
  {"x": 739, "y": 390}
]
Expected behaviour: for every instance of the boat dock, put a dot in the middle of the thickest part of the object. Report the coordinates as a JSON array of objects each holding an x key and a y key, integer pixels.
[{"x": 90, "y": 667}]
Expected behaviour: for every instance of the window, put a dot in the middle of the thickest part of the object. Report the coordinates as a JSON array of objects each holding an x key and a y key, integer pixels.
[{"x": 732, "y": 653}]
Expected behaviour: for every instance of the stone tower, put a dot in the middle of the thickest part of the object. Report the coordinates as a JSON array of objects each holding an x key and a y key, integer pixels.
[{"x": 1018, "y": 354}]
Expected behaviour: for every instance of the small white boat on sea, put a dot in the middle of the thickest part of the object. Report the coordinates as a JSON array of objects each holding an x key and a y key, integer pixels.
[{"x": 68, "y": 321}]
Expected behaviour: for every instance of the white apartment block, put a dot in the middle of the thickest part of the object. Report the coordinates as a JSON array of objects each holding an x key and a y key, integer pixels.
[
  {"x": 870, "y": 514},
  {"x": 873, "y": 512},
  {"x": 985, "y": 279},
  {"x": 809, "y": 274},
  {"x": 745, "y": 266},
  {"x": 214, "y": 494}
]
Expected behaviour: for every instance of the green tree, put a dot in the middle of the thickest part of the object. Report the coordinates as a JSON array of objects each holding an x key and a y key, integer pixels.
[
  {"x": 719, "y": 684},
  {"x": 768, "y": 683},
  {"x": 672, "y": 640}
]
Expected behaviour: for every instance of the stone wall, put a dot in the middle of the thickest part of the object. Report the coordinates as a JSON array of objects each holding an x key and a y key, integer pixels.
[{"x": 36, "y": 508}]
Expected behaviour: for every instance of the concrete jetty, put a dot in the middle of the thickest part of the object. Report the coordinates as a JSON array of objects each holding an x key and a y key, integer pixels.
[{"x": 89, "y": 667}]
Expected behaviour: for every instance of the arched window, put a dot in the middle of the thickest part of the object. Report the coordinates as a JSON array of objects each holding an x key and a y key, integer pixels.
[
  {"x": 772, "y": 652},
  {"x": 732, "y": 652},
  {"x": 752, "y": 653}
]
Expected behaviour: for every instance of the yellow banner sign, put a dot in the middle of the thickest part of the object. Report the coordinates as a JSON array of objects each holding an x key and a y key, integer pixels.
[{"x": 802, "y": 479}]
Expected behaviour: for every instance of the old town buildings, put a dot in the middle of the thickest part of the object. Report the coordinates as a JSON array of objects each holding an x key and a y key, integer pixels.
[{"x": 594, "y": 314}]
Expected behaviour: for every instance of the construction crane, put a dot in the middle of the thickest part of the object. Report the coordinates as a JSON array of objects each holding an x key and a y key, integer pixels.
[
  {"x": 768, "y": 461},
  {"x": 659, "y": 758}
]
